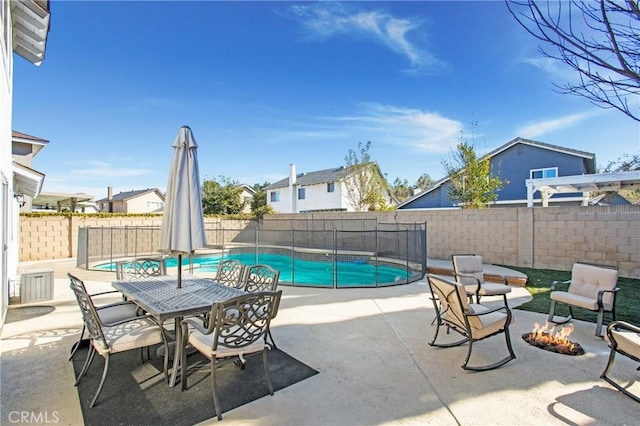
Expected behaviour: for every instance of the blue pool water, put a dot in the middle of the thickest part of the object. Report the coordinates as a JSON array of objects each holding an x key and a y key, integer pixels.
[{"x": 356, "y": 273}]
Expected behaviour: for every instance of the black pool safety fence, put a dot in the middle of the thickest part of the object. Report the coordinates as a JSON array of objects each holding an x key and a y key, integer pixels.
[{"x": 320, "y": 253}]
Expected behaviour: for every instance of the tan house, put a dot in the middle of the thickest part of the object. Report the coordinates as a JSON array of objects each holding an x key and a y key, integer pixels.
[
  {"x": 247, "y": 195},
  {"x": 150, "y": 200}
]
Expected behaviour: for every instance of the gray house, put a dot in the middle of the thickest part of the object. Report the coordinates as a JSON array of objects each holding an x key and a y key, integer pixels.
[{"x": 515, "y": 162}]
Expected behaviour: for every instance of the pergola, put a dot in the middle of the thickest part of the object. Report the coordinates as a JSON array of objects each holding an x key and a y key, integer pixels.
[{"x": 581, "y": 183}]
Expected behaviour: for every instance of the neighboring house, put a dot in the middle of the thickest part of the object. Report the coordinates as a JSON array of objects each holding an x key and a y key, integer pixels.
[
  {"x": 24, "y": 29},
  {"x": 27, "y": 182},
  {"x": 150, "y": 200},
  {"x": 247, "y": 195},
  {"x": 321, "y": 190},
  {"x": 609, "y": 199},
  {"x": 515, "y": 162}
]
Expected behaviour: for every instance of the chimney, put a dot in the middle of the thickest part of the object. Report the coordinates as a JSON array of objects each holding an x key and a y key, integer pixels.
[
  {"x": 292, "y": 187},
  {"x": 110, "y": 199}
]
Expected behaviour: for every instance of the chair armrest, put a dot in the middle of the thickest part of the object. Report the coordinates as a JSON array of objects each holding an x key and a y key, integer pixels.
[
  {"x": 469, "y": 276},
  {"x": 124, "y": 321},
  {"x": 192, "y": 321},
  {"x": 601, "y": 295},
  {"x": 623, "y": 325},
  {"x": 104, "y": 292},
  {"x": 554, "y": 284},
  {"x": 488, "y": 311}
]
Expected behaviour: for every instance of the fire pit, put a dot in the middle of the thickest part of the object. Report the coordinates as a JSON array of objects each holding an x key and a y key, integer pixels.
[{"x": 553, "y": 341}]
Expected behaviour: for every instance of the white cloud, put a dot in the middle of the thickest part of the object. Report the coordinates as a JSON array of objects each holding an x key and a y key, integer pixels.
[
  {"x": 534, "y": 130},
  {"x": 424, "y": 130},
  {"x": 328, "y": 19},
  {"x": 102, "y": 169}
]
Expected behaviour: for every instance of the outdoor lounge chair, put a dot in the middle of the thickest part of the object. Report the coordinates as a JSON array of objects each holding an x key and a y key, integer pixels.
[
  {"x": 108, "y": 339},
  {"x": 474, "y": 322},
  {"x": 142, "y": 267},
  {"x": 624, "y": 338},
  {"x": 237, "y": 328},
  {"x": 590, "y": 287},
  {"x": 230, "y": 272},
  {"x": 468, "y": 271}
]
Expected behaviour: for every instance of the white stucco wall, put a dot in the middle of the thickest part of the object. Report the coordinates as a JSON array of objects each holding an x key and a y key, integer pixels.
[{"x": 8, "y": 206}]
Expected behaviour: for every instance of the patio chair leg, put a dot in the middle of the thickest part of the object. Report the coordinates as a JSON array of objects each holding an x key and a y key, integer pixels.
[
  {"x": 104, "y": 376},
  {"x": 552, "y": 314},
  {"x": 599, "y": 323},
  {"x": 76, "y": 345},
  {"x": 216, "y": 403},
  {"x": 85, "y": 366},
  {"x": 270, "y": 338}
]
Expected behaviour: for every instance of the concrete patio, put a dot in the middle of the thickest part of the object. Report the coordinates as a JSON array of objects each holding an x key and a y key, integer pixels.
[{"x": 371, "y": 349}]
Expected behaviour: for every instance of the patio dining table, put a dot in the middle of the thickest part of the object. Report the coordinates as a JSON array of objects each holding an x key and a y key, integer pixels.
[{"x": 161, "y": 298}]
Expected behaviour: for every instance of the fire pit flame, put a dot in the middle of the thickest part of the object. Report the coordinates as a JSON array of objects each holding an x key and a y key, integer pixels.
[{"x": 548, "y": 338}]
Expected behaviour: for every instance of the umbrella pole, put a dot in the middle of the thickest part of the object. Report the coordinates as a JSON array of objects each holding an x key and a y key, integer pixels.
[{"x": 179, "y": 271}]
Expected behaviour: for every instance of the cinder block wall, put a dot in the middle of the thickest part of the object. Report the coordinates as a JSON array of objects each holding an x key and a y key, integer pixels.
[{"x": 539, "y": 237}]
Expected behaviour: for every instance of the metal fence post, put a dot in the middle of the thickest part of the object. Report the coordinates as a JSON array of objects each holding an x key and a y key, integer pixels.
[{"x": 334, "y": 263}]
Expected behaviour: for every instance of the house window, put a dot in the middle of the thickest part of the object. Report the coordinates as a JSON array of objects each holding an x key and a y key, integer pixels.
[
  {"x": 550, "y": 172},
  {"x": 331, "y": 186},
  {"x": 275, "y": 196},
  {"x": 301, "y": 193}
]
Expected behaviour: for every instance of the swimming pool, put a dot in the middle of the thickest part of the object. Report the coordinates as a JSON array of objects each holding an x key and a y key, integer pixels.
[{"x": 297, "y": 271}]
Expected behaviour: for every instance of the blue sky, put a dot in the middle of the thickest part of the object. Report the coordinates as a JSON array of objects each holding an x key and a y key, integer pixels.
[{"x": 266, "y": 84}]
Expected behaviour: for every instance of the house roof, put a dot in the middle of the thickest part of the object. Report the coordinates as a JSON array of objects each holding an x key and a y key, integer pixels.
[
  {"x": 311, "y": 178},
  {"x": 125, "y": 196},
  {"x": 30, "y": 23},
  {"x": 36, "y": 142},
  {"x": 587, "y": 155},
  {"x": 26, "y": 180}
]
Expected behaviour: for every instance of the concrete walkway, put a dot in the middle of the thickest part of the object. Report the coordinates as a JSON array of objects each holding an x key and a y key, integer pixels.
[{"x": 376, "y": 367}]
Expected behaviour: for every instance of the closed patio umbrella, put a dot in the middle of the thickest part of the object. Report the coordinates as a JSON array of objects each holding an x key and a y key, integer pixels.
[{"x": 182, "y": 221}]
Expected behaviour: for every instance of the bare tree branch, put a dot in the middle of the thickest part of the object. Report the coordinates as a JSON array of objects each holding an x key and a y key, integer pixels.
[{"x": 599, "y": 40}]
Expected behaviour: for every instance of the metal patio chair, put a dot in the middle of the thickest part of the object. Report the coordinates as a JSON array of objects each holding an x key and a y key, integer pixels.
[
  {"x": 230, "y": 272},
  {"x": 142, "y": 267},
  {"x": 468, "y": 271},
  {"x": 591, "y": 287},
  {"x": 237, "y": 328},
  {"x": 111, "y": 338},
  {"x": 473, "y": 321},
  {"x": 624, "y": 338}
]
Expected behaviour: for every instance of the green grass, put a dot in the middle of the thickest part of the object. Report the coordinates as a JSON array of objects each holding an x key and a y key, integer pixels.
[{"x": 539, "y": 285}]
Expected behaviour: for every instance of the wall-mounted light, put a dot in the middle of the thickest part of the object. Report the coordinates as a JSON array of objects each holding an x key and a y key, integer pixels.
[{"x": 20, "y": 199}]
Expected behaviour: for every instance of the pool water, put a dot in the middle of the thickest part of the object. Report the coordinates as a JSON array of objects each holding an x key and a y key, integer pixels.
[{"x": 305, "y": 272}]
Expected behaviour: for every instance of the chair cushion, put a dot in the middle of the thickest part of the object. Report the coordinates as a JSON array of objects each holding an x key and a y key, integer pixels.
[
  {"x": 489, "y": 289},
  {"x": 204, "y": 343},
  {"x": 587, "y": 280},
  {"x": 627, "y": 341},
  {"x": 578, "y": 300},
  {"x": 484, "y": 325},
  {"x": 130, "y": 335},
  {"x": 468, "y": 265},
  {"x": 117, "y": 312}
]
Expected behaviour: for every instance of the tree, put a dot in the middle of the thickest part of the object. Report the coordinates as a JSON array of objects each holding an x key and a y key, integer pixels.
[
  {"x": 599, "y": 40},
  {"x": 626, "y": 163},
  {"x": 423, "y": 182},
  {"x": 401, "y": 189},
  {"x": 259, "y": 206},
  {"x": 473, "y": 186},
  {"x": 363, "y": 184},
  {"x": 222, "y": 197}
]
